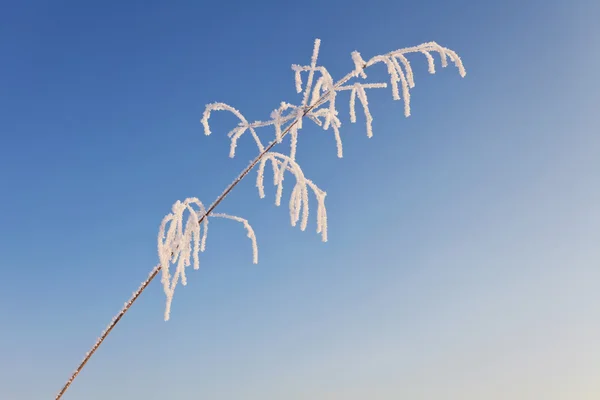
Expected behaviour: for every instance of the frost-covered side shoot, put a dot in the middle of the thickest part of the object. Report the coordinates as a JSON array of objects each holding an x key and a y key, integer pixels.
[{"x": 181, "y": 244}]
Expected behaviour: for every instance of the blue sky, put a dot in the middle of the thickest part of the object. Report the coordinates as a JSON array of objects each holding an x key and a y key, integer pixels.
[{"x": 462, "y": 260}]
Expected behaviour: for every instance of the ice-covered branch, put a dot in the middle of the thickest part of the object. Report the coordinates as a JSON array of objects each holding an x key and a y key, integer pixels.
[
  {"x": 400, "y": 70},
  {"x": 319, "y": 94},
  {"x": 250, "y": 232},
  {"x": 359, "y": 89},
  {"x": 322, "y": 91},
  {"x": 179, "y": 243},
  {"x": 236, "y": 132}
]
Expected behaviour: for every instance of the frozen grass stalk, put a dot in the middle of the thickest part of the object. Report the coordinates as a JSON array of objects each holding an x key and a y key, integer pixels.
[{"x": 183, "y": 232}]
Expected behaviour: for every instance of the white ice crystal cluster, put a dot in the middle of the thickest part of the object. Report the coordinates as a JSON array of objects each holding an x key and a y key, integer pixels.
[{"x": 180, "y": 244}]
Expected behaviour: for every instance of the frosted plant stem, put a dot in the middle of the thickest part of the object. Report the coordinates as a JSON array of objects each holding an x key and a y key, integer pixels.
[
  {"x": 156, "y": 269},
  {"x": 108, "y": 329},
  {"x": 397, "y": 74}
]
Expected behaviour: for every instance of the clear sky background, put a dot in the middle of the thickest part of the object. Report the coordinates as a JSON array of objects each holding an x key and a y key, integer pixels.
[{"x": 463, "y": 260}]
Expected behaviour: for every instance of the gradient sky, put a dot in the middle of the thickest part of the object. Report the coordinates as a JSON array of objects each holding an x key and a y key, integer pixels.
[{"x": 463, "y": 254}]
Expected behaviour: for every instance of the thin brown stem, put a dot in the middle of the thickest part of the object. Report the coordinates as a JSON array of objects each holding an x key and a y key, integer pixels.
[{"x": 110, "y": 327}]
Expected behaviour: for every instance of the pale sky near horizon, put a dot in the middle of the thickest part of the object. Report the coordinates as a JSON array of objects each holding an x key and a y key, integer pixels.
[{"x": 463, "y": 253}]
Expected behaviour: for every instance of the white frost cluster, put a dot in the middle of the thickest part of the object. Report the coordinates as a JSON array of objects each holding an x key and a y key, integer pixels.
[
  {"x": 319, "y": 92},
  {"x": 318, "y": 104},
  {"x": 180, "y": 244},
  {"x": 400, "y": 71},
  {"x": 299, "y": 198}
]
